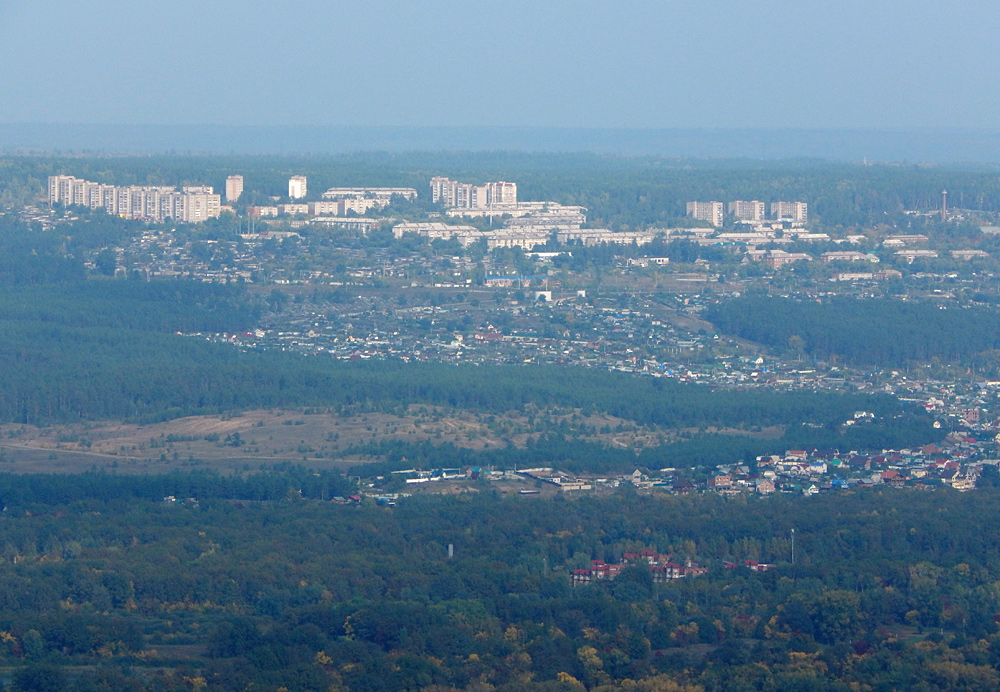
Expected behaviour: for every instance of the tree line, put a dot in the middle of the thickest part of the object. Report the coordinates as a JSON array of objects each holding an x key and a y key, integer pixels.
[{"x": 872, "y": 333}]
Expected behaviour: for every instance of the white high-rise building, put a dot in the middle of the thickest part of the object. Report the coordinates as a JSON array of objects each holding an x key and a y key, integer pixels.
[
  {"x": 747, "y": 211},
  {"x": 501, "y": 192},
  {"x": 456, "y": 195},
  {"x": 790, "y": 211},
  {"x": 234, "y": 187},
  {"x": 190, "y": 204},
  {"x": 706, "y": 211},
  {"x": 297, "y": 187}
]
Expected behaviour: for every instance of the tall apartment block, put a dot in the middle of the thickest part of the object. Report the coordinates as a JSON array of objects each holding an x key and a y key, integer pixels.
[
  {"x": 706, "y": 211},
  {"x": 500, "y": 192},
  {"x": 190, "y": 204},
  {"x": 456, "y": 195},
  {"x": 234, "y": 187},
  {"x": 297, "y": 187},
  {"x": 790, "y": 211},
  {"x": 747, "y": 211}
]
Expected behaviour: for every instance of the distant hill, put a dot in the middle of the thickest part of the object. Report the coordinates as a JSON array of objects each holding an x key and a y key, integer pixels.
[{"x": 931, "y": 145}]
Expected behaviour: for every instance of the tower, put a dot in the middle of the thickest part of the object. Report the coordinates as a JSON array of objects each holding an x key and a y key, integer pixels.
[
  {"x": 234, "y": 187},
  {"x": 944, "y": 205},
  {"x": 297, "y": 187}
]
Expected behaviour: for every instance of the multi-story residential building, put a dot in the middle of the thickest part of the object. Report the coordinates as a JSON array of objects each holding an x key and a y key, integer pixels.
[
  {"x": 500, "y": 193},
  {"x": 790, "y": 211},
  {"x": 324, "y": 208},
  {"x": 297, "y": 187},
  {"x": 706, "y": 211},
  {"x": 450, "y": 193},
  {"x": 292, "y": 209},
  {"x": 456, "y": 195},
  {"x": 359, "y": 205},
  {"x": 348, "y": 223},
  {"x": 262, "y": 212},
  {"x": 189, "y": 205},
  {"x": 340, "y": 207},
  {"x": 442, "y": 190},
  {"x": 747, "y": 211},
  {"x": 849, "y": 256},
  {"x": 234, "y": 187}
]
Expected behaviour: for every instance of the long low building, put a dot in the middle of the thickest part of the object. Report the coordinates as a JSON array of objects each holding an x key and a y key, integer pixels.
[
  {"x": 438, "y": 231},
  {"x": 340, "y": 207},
  {"x": 524, "y": 237},
  {"x": 597, "y": 236},
  {"x": 519, "y": 210},
  {"x": 381, "y": 193},
  {"x": 348, "y": 223},
  {"x": 850, "y": 256}
]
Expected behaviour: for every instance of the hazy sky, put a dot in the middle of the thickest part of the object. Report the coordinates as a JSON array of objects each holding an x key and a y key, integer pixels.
[{"x": 579, "y": 63}]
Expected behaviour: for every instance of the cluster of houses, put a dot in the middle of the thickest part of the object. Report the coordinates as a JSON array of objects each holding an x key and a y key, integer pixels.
[
  {"x": 661, "y": 567},
  {"x": 956, "y": 463},
  {"x": 812, "y": 471}
]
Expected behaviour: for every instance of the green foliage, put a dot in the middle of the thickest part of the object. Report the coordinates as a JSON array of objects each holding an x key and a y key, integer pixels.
[
  {"x": 313, "y": 595},
  {"x": 877, "y": 333}
]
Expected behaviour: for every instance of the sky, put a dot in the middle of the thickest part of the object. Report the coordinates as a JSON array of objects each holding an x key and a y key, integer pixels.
[{"x": 510, "y": 63}]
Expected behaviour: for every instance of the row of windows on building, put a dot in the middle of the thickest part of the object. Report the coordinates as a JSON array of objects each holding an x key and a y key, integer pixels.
[
  {"x": 157, "y": 203},
  {"x": 751, "y": 211}
]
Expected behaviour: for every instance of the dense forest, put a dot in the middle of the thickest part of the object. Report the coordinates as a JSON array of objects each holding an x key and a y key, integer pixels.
[
  {"x": 872, "y": 333},
  {"x": 110, "y": 589}
]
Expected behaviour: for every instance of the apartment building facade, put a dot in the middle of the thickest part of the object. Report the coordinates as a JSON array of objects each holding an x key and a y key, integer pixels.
[
  {"x": 747, "y": 211},
  {"x": 155, "y": 203},
  {"x": 234, "y": 187},
  {"x": 790, "y": 211},
  {"x": 456, "y": 195},
  {"x": 706, "y": 211},
  {"x": 297, "y": 187}
]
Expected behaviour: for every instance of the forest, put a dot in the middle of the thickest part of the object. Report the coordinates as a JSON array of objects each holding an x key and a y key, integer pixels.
[
  {"x": 251, "y": 585},
  {"x": 867, "y": 333}
]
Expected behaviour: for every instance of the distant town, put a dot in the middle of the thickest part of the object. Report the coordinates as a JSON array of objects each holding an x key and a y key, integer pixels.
[{"x": 477, "y": 275}]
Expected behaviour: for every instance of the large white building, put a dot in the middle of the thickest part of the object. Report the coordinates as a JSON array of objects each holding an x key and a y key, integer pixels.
[
  {"x": 747, "y": 211},
  {"x": 706, "y": 211},
  {"x": 297, "y": 187},
  {"x": 189, "y": 205},
  {"x": 234, "y": 187},
  {"x": 790, "y": 211},
  {"x": 456, "y": 195}
]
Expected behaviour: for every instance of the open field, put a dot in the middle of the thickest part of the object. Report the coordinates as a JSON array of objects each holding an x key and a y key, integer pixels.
[{"x": 254, "y": 439}]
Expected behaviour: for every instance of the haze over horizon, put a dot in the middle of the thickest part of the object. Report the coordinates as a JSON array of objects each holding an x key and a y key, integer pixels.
[{"x": 524, "y": 75}]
